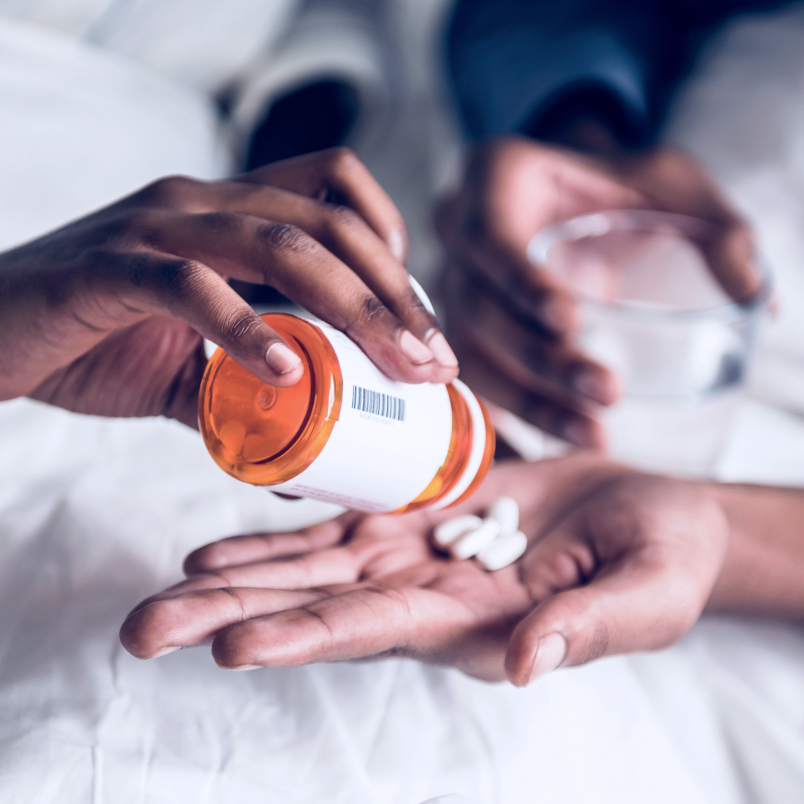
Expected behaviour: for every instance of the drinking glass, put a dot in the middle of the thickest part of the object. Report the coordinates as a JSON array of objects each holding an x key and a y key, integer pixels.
[{"x": 655, "y": 315}]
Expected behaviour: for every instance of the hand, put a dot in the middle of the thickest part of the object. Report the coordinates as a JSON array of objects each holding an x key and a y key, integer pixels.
[
  {"x": 511, "y": 324},
  {"x": 618, "y": 561},
  {"x": 107, "y": 315}
]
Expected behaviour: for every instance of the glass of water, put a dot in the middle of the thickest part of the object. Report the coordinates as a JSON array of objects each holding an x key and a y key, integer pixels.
[{"x": 654, "y": 314}]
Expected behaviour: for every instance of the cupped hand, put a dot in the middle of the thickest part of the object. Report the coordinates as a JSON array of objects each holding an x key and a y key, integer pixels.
[
  {"x": 617, "y": 561},
  {"x": 107, "y": 314},
  {"x": 511, "y": 324}
]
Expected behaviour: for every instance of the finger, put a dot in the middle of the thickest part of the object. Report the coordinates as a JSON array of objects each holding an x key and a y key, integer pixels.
[
  {"x": 634, "y": 608},
  {"x": 345, "y": 234},
  {"x": 551, "y": 413},
  {"x": 674, "y": 181},
  {"x": 524, "y": 286},
  {"x": 251, "y": 548},
  {"x": 325, "y": 567},
  {"x": 365, "y": 622},
  {"x": 190, "y": 290},
  {"x": 514, "y": 188},
  {"x": 631, "y": 573},
  {"x": 338, "y": 173},
  {"x": 279, "y": 254},
  {"x": 163, "y": 625},
  {"x": 732, "y": 259},
  {"x": 534, "y": 359}
]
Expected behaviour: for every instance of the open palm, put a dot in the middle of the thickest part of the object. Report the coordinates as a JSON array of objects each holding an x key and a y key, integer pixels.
[{"x": 617, "y": 561}]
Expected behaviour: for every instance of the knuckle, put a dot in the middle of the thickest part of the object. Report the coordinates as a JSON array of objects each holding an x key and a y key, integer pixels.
[
  {"x": 173, "y": 191},
  {"x": 144, "y": 226},
  {"x": 367, "y": 310},
  {"x": 222, "y": 222},
  {"x": 284, "y": 237},
  {"x": 343, "y": 158},
  {"x": 339, "y": 217},
  {"x": 176, "y": 278},
  {"x": 239, "y": 325},
  {"x": 413, "y": 303},
  {"x": 133, "y": 228}
]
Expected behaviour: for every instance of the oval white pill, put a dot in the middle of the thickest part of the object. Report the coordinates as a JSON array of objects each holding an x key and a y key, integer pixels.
[
  {"x": 506, "y": 511},
  {"x": 503, "y": 551},
  {"x": 452, "y": 529},
  {"x": 475, "y": 541}
]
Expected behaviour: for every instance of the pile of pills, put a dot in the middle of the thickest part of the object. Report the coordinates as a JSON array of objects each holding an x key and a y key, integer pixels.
[{"x": 495, "y": 541}]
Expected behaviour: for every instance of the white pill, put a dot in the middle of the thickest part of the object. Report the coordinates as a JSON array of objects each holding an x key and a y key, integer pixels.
[
  {"x": 503, "y": 551},
  {"x": 476, "y": 540},
  {"x": 506, "y": 511},
  {"x": 452, "y": 529}
]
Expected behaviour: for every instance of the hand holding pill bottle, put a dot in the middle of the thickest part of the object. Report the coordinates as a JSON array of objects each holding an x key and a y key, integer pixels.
[{"x": 345, "y": 433}]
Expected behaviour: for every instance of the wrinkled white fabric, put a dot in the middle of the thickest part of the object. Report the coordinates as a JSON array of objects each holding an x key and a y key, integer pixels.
[
  {"x": 95, "y": 514},
  {"x": 80, "y": 128},
  {"x": 203, "y": 43}
]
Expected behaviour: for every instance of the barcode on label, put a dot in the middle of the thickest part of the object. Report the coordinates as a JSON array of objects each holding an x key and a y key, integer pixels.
[{"x": 385, "y": 405}]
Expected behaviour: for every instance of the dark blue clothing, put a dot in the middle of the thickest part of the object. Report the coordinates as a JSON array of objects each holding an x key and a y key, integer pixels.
[{"x": 514, "y": 61}]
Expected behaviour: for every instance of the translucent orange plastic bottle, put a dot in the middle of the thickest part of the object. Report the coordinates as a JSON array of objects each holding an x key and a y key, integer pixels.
[{"x": 344, "y": 433}]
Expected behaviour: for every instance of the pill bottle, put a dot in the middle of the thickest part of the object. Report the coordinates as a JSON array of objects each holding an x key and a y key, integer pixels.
[{"x": 344, "y": 433}]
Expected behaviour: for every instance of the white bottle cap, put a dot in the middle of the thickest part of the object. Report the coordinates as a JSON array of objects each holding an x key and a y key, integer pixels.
[{"x": 477, "y": 451}]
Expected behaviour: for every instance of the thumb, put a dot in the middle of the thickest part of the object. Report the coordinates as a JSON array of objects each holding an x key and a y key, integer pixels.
[
  {"x": 731, "y": 255},
  {"x": 193, "y": 292},
  {"x": 638, "y": 605}
]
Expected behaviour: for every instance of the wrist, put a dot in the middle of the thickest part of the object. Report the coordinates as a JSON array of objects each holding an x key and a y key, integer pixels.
[{"x": 763, "y": 569}]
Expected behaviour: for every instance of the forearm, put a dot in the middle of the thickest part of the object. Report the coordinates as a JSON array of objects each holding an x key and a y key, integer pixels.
[
  {"x": 763, "y": 572},
  {"x": 516, "y": 63}
]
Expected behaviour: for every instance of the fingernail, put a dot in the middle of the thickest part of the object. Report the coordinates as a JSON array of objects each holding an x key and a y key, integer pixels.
[
  {"x": 413, "y": 349},
  {"x": 396, "y": 242},
  {"x": 246, "y": 667},
  {"x": 549, "y": 655},
  {"x": 441, "y": 349},
  {"x": 281, "y": 359},
  {"x": 165, "y": 651}
]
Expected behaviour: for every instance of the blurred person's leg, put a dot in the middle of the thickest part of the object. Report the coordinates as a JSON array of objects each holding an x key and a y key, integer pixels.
[
  {"x": 316, "y": 116},
  {"x": 327, "y": 84}
]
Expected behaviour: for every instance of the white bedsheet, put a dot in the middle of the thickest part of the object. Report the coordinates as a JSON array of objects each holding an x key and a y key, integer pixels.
[{"x": 95, "y": 514}]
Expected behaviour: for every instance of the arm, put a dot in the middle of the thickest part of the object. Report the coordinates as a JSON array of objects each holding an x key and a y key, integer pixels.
[
  {"x": 106, "y": 315},
  {"x": 515, "y": 64},
  {"x": 763, "y": 572},
  {"x": 593, "y": 78},
  {"x": 618, "y": 561}
]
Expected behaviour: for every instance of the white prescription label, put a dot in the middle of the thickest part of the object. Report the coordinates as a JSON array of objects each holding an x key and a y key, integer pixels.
[{"x": 389, "y": 442}]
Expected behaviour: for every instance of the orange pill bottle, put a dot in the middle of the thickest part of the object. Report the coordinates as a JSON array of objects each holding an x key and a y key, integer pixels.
[{"x": 344, "y": 433}]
